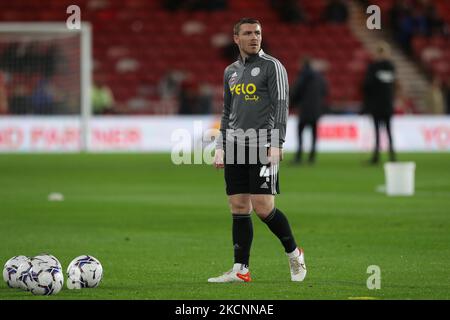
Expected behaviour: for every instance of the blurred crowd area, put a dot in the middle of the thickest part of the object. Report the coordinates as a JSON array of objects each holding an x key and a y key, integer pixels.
[
  {"x": 168, "y": 56},
  {"x": 39, "y": 76}
]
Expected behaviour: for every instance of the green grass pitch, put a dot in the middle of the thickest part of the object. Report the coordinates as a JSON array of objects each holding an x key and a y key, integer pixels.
[{"x": 161, "y": 230}]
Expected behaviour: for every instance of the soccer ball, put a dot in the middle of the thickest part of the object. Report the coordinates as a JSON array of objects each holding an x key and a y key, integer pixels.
[
  {"x": 46, "y": 276},
  {"x": 84, "y": 272},
  {"x": 42, "y": 275},
  {"x": 10, "y": 270},
  {"x": 44, "y": 259},
  {"x": 24, "y": 275},
  {"x": 46, "y": 280}
]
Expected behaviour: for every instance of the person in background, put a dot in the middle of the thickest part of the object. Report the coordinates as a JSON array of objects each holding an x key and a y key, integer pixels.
[
  {"x": 102, "y": 97},
  {"x": 308, "y": 94},
  {"x": 43, "y": 98},
  {"x": 170, "y": 83},
  {"x": 188, "y": 96},
  {"x": 379, "y": 93},
  {"x": 289, "y": 11},
  {"x": 205, "y": 99},
  {"x": 336, "y": 11}
]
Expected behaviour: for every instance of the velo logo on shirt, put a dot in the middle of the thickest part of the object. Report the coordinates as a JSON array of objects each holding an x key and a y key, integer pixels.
[{"x": 247, "y": 90}]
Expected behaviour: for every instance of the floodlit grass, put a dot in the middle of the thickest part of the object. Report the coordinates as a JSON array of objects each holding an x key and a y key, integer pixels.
[{"x": 161, "y": 230}]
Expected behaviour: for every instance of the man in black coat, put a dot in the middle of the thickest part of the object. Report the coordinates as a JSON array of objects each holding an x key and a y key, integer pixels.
[
  {"x": 308, "y": 94},
  {"x": 379, "y": 91}
]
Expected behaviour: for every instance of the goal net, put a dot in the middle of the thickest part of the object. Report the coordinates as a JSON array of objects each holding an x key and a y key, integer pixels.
[{"x": 45, "y": 69}]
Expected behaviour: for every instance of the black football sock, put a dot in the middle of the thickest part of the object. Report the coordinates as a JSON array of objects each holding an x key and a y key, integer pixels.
[
  {"x": 279, "y": 225},
  {"x": 242, "y": 237}
]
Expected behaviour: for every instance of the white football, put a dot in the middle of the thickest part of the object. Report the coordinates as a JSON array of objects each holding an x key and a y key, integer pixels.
[
  {"x": 10, "y": 270},
  {"x": 45, "y": 259},
  {"x": 74, "y": 278},
  {"x": 47, "y": 280},
  {"x": 84, "y": 272},
  {"x": 24, "y": 275}
]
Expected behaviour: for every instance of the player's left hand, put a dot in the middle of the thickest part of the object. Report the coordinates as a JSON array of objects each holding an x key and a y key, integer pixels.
[
  {"x": 275, "y": 155},
  {"x": 218, "y": 159}
]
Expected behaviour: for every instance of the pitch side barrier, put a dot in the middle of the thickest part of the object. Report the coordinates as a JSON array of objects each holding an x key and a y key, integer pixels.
[{"x": 197, "y": 134}]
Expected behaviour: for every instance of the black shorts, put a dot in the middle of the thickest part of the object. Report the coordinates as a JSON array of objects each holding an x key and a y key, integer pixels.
[{"x": 251, "y": 174}]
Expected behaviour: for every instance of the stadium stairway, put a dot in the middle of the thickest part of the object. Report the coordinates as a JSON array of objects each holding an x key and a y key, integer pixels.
[{"x": 412, "y": 79}]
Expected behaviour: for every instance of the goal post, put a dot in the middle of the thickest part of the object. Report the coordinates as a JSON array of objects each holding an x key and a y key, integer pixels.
[{"x": 46, "y": 69}]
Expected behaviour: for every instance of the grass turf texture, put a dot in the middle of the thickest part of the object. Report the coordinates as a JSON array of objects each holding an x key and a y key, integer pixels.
[{"x": 161, "y": 230}]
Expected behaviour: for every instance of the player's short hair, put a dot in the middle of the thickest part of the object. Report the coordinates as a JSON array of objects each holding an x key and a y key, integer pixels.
[{"x": 237, "y": 26}]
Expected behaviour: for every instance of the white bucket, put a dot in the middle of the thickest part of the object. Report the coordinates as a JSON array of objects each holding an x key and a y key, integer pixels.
[{"x": 399, "y": 178}]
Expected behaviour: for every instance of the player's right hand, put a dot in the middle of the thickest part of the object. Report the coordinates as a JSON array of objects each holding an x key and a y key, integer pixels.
[{"x": 218, "y": 159}]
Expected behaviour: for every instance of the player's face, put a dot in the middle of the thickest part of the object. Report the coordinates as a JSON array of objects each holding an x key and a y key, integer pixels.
[{"x": 249, "y": 38}]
